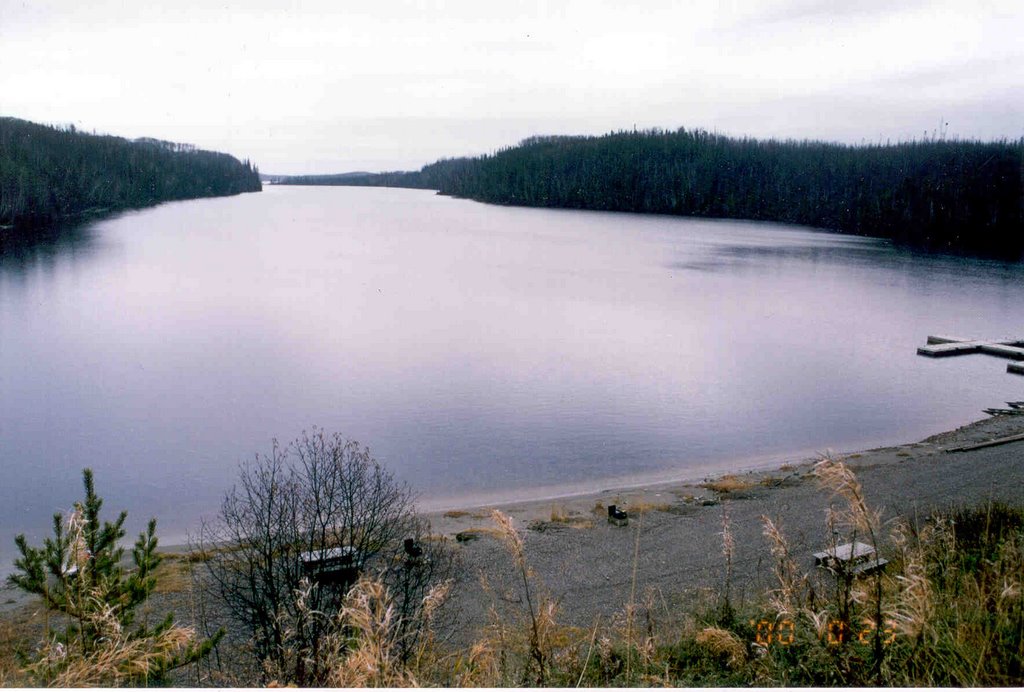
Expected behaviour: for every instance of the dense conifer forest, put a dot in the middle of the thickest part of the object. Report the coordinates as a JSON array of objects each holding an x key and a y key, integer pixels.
[
  {"x": 957, "y": 196},
  {"x": 48, "y": 174}
]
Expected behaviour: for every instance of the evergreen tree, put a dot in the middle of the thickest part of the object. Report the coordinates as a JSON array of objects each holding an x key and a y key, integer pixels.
[
  {"x": 48, "y": 174},
  {"x": 79, "y": 573},
  {"x": 948, "y": 195}
]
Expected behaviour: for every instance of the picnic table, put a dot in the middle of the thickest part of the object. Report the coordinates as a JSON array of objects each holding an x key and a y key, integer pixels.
[{"x": 851, "y": 559}]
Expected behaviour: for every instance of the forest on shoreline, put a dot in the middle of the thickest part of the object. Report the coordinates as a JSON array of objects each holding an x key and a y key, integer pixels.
[
  {"x": 941, "y": 195},
  {"x": 50, "y": 174}
]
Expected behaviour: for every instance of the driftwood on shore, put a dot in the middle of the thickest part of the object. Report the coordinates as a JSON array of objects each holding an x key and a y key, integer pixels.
[{"x": 987, "y": 443}]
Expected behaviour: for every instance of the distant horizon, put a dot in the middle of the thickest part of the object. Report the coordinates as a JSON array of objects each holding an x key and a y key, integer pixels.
[
  {"x": 933, "y": 135},
  {"x": 929, "y": 134},
  {"x": 398, "y": 84}
]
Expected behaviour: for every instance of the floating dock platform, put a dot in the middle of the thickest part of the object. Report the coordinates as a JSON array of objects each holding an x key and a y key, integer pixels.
[{"x": 944, "y": 346}]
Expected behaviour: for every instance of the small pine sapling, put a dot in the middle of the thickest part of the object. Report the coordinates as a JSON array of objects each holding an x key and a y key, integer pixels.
[{"x": 79, "y": 572}]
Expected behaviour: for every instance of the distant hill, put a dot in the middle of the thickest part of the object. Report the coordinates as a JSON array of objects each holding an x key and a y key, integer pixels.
[
  {"x": 328, "y": 179},
  {"x": 955, "y": 196},
  {"x": 48, "y": 174}
]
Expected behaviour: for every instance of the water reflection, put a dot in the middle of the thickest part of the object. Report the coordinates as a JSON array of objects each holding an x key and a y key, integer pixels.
[
  {"x": 25, "y": 251},
  {"x": 846, "y": 252},
  {"x": 474, "y": 348}
]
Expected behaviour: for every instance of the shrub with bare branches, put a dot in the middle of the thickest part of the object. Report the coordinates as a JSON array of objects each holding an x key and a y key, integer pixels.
[{"x": 320, "y": 500}]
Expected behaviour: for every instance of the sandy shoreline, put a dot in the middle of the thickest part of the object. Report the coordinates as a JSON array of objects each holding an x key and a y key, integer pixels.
[
  {"x": 690, "y": 485},
  {"x": 587, "y": 565}
]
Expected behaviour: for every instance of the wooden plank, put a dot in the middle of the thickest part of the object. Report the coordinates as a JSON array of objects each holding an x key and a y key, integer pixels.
[
  {"x": 1004, "y": 411},
  {"x": 988, "y": 443},
  {"x": 847, "y": 552},
  {"x": 950, "y": 349},
  {"x": 853, "y": 551},
  {"x": 867, "y": 568},
  {"x": 1015, "y": 368},
  {"x": 1002, "y": 350},
  {"x": 946, "y": 339},
  {"x": 943, "y": 339}
]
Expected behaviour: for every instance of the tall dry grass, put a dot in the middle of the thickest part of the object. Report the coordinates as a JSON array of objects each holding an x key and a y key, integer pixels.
[
  {"x": 948, "y": 611},
  {"x": 960, "y": 607},
  {"x": 12, "y": 649},
  {"x": 950, "y": 608},
  {"x": 113, "y": 658}
]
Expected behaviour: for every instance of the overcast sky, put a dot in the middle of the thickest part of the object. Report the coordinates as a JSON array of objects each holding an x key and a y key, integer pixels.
[{"x": 383, "y": 85}]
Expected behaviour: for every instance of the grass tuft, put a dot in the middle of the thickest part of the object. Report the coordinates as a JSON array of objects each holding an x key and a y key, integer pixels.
[
  {"x": 463, "y": 513},
  {"x": 728, "y": 484}
]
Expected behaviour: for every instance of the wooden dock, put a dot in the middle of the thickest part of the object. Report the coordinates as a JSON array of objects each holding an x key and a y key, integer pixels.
[{"x": 944, "y": 346}]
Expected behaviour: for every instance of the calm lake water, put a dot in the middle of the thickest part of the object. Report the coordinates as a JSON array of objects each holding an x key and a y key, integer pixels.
[{"x": 478, "y": 350}]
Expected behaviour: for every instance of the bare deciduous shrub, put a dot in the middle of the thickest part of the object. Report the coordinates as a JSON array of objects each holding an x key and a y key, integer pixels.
[{"x": 321, "y": 498}]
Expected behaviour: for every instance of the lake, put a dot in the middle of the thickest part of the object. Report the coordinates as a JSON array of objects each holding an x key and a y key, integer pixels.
[{"x": 480, "y": 351}]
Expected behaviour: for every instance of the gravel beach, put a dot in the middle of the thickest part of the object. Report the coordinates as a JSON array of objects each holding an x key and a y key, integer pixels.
[
  {"x": 674, "y": 532},
  {"x": 586, "y": 564}
]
